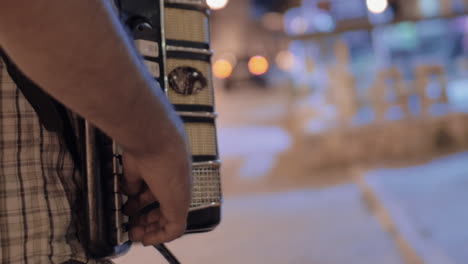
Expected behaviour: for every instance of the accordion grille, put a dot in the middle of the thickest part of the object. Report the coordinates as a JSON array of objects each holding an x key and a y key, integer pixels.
[
  {"x": 186, "y": 25},
  {"x": 206, "y": 186},
  {"x": 202, "y": 138},
  {"x": 205, "y": 96}
]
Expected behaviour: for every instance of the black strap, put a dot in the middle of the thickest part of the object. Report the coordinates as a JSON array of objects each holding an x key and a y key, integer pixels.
[
  {"x": 52, "y": 115},
  {"x": 44, "y": 105},
  {"x": 167, "y": 254}
]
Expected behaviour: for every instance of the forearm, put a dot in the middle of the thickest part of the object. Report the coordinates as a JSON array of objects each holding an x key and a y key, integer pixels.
[{"x": 76, "y": 51}]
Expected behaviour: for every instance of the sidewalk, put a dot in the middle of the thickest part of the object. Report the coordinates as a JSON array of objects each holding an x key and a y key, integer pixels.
[
  {"x": 428, "y": 205},
  {"x": 329, "y": 226}
]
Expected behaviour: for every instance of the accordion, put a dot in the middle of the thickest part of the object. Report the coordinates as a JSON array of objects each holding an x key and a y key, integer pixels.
[{"x": 172, "y": 37}]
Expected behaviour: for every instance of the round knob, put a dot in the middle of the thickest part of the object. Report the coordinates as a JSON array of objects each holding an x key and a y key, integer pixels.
[
  {"x": 143, "y": 26},
  {"x": 139, "y": 23}
]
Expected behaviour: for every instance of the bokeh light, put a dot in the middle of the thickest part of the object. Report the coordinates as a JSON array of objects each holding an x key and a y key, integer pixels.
[
  {"x": 429, "y": 8},
  {"x": 298, "y": 25},
  {"x": 222, "y": 69},
  {"x": 217, "y": 4},
  {"x": 377, "y": 6},
  {"x": 294, "y": 21},
  {"x": 285, "y": 60},
  {"x": 273, "y": 21},
  {"x": 230, "y": 57},
  {"x": 324, "y": 22},
  {"x": 258, "y": 65}
]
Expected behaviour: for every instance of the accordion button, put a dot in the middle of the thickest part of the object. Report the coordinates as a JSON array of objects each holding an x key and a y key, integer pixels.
[
  {"x": 147, "y": 48},
  {"x": 119, "y": 159},
  {"x": 153, "y": 68}
]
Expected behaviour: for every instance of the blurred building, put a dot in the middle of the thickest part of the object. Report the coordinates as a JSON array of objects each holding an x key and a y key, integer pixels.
[{"x": 355, "y": 65}]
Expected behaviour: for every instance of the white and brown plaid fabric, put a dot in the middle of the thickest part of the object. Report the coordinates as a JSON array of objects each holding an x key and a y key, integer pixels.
[{"x": 38, "y": 187}]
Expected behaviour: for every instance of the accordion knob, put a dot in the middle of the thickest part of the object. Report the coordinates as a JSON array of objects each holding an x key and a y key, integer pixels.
[
  {"x": 143, "y": 26},
  {"x": 139, "y": 24}
]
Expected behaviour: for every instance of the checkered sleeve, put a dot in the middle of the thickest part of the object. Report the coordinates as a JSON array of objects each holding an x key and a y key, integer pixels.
[{"x": 38, "y": 187}]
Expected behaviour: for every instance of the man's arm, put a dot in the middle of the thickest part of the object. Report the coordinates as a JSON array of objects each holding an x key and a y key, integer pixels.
[{"x": 78, "y": 52}]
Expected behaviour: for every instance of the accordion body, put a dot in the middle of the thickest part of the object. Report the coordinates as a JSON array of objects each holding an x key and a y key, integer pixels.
[{"x": 172, "y": 37}]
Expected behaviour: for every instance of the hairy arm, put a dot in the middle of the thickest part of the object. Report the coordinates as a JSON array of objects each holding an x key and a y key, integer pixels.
[{"x": 78, "y": 52}]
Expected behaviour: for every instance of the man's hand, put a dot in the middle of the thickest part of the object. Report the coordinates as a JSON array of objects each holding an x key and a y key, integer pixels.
[{"x": 165, "y": 178}]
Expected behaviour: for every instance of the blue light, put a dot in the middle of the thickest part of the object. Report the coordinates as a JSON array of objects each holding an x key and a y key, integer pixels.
[
  {"x": 294, "y": 22},
  {"x": 324, "y": 22},
  {"x": 429, "y": 8}
]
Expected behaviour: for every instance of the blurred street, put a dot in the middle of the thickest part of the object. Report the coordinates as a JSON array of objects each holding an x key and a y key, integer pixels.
[{"x": 273, "y": 214}]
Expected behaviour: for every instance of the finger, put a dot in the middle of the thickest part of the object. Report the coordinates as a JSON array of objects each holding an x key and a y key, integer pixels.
[
  {"x": 154, "y": 217},
  {"x": 131, "y": 183},
  {"x": 136, "y": 233},
  {"x": 166, "y": 234},
  {"x": 136, "y": 203},
  {"x": 131, "y": 188},
  {"x": 139, "y": 220},
  {"x": 131, "y": 206},
  {"x": 155, "y": 227}
]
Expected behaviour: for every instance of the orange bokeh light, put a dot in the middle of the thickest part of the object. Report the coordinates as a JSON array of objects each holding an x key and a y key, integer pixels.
[
  {"x": 258, "y": 65},
  {"x": 222, "y": 69}
]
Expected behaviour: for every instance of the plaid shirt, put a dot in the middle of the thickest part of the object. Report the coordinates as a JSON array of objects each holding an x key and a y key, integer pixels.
[{"x": 38, "y": 187}]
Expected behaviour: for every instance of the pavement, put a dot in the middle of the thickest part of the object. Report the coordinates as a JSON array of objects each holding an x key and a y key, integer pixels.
[{"x": 323, "y": 226}]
